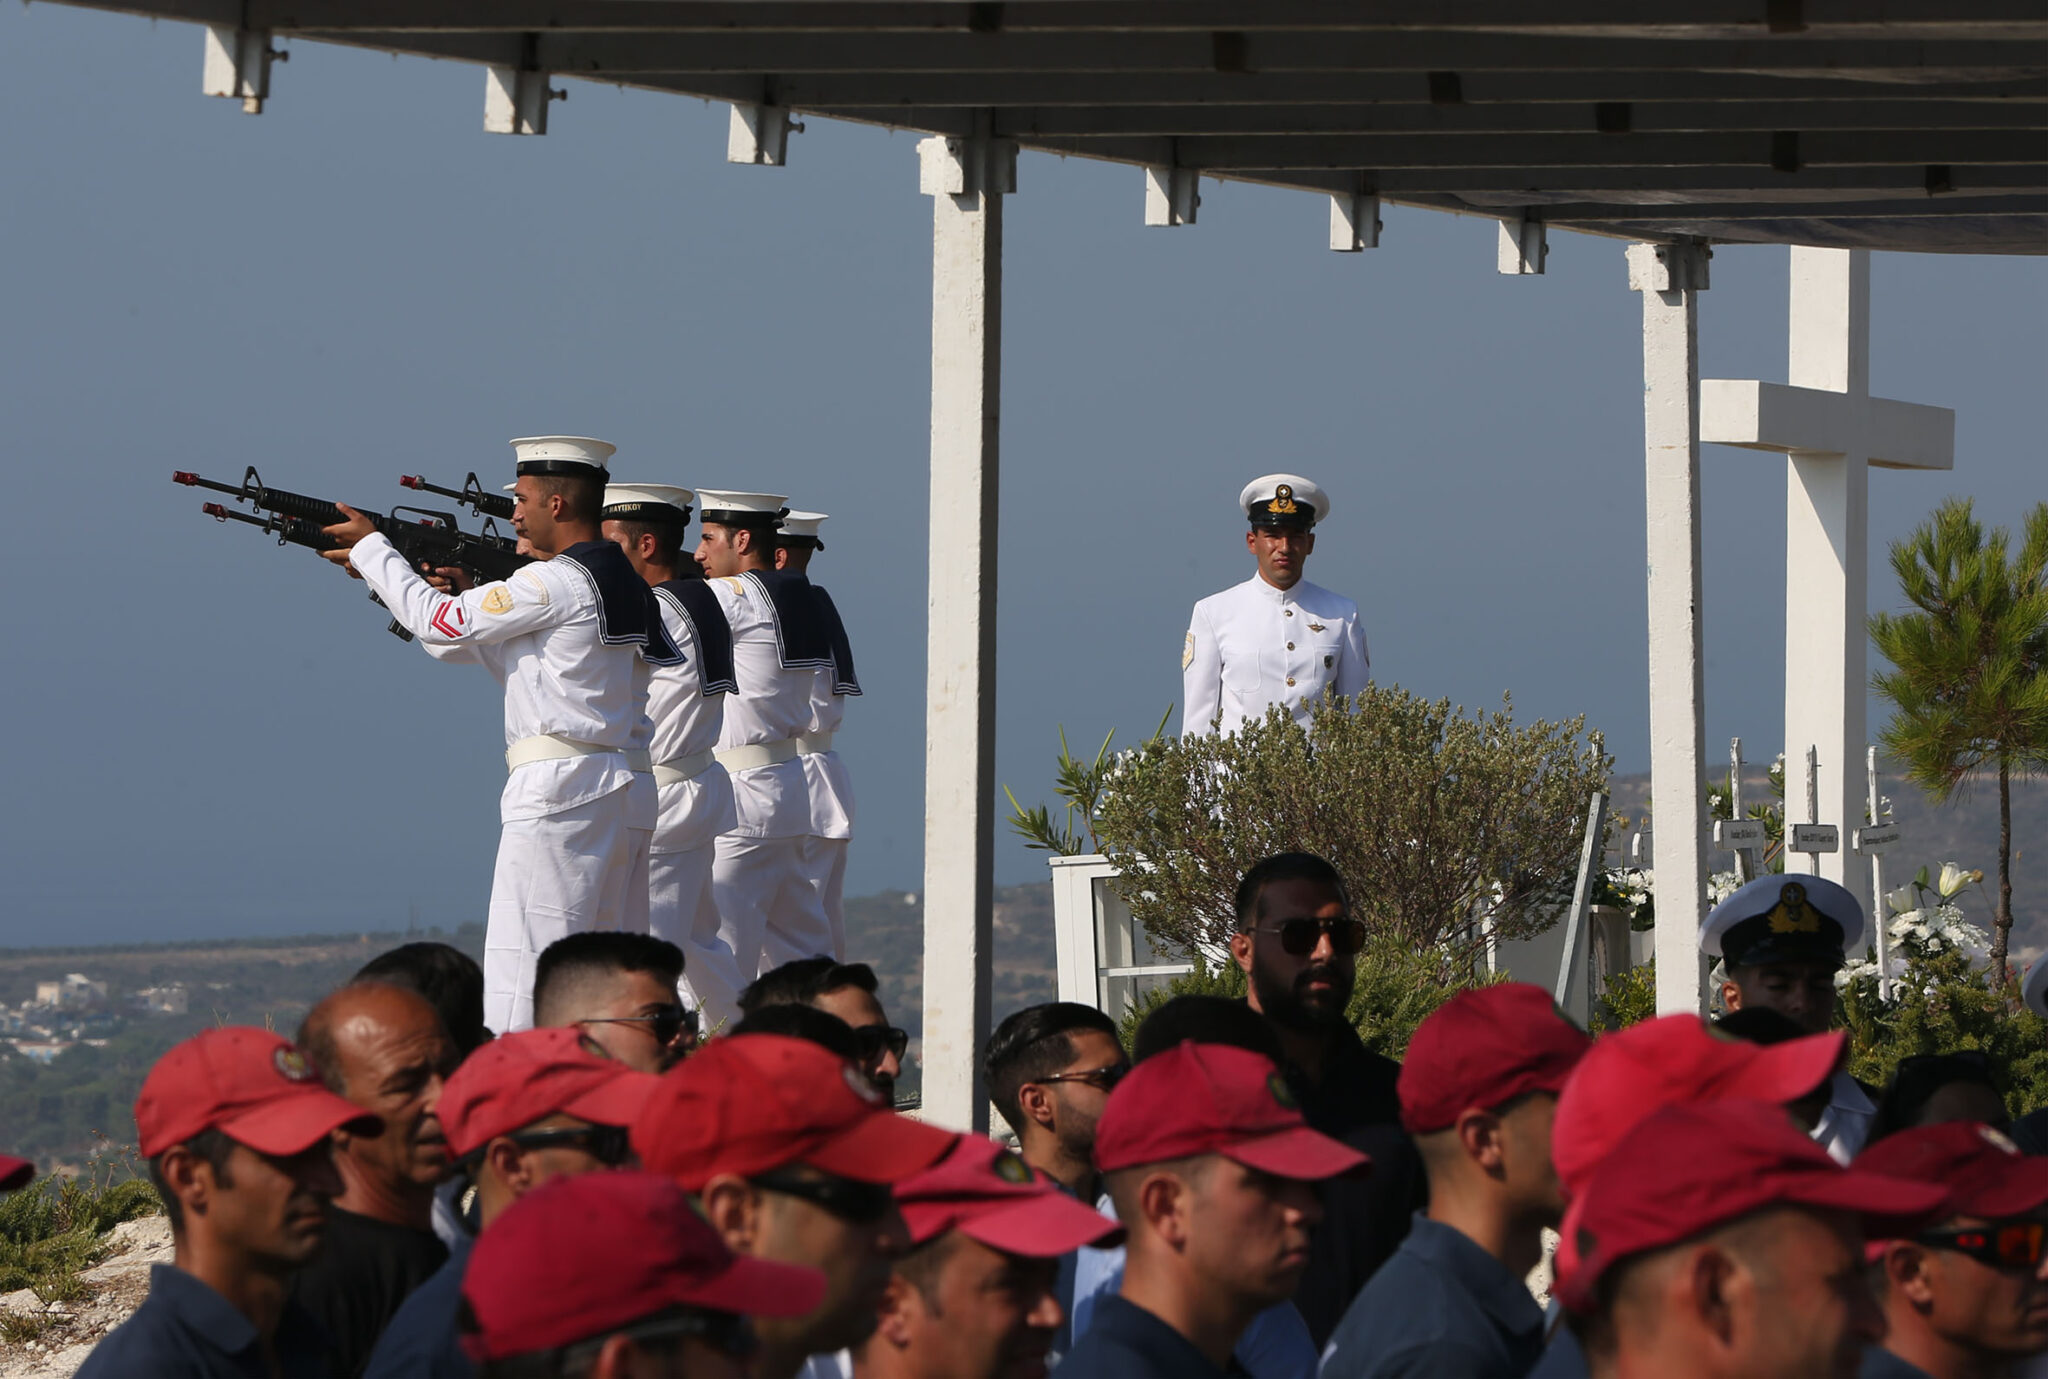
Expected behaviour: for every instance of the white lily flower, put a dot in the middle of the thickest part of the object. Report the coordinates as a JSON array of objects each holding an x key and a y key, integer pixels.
[
  {"x": 1902, "y": 901},
  {"x": 1953, "y": 879}
]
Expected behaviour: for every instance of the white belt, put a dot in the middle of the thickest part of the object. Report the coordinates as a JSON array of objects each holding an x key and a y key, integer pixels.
[
  {"x": 680, "y": 769},
  {"x": 811, "y": 744},
  {"x": 550, "y": 747},
  {"x": 756, "y": 754}
]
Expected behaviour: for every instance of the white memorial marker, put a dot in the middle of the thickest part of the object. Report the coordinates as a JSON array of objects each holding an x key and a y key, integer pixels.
[
  {"x": 1743, "y": 837},
  {"x": 1831, "y": 430},
  {"x": 1813, "y": 837},
  {"x": 1873, "y": 840}
]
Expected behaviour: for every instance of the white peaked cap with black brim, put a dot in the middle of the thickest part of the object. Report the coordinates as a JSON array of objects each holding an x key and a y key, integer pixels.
[{"x": 1283, "y": 500}]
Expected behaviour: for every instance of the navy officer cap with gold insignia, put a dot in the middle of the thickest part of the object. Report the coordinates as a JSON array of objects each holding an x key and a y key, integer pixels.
[
  {"x": 1283, "y": 500},
  {"x": 1790, "y": 917}
]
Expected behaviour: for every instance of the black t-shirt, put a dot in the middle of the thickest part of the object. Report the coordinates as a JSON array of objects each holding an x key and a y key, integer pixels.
[{"x": 354, "y": 1285}]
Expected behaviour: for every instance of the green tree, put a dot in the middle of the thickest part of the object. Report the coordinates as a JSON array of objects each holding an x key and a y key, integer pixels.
[{"x": 1969, "y": 683}]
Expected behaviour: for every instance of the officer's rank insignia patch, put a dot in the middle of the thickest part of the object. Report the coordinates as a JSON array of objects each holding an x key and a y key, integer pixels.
[
  {"x": 1792, "y": 914},
  {"x": 499, "y": 600},
  {"x": 1283, "y": 500},
  {"x": 1187, "y": 652},
  {"x": 292, "y": 1064}
]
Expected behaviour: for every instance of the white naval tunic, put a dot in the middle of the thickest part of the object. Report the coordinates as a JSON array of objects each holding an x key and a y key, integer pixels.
[
  {"x": 1253, "y": 646},
  {"x": 831, "y": 791},
  {"x": 766, "y": 904},
  {"x": 1845, "y": 1125},
  {"x": 681, "y": 908},
  {"x": 573, "y": 852}
]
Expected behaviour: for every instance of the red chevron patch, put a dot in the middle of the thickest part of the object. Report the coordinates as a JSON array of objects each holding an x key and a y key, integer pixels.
[{"x": 448, "y": 621}]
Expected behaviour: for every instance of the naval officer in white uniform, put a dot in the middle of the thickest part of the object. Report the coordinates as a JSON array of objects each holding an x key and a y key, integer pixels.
[
  {"x": 686, "y": 706},
  {"x": 571, "y": 638},
  {"x": 1276, "y": 638},
  {"x": 766, "y": 904},
  {"x": 824, "y": 773}
]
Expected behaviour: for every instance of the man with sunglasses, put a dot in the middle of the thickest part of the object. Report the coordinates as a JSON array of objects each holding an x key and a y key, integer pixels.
[
  {"x": 615, "y": 1276},
  {"x": 1967, "y": 1297},
  {"x": 1050, "y": 1069},
  {"x": 792, "y": 1154},
  {"x": 620, "y": 990},
  {"x": 844, "y": 989},
  {"x": 526, "y": 1109}
]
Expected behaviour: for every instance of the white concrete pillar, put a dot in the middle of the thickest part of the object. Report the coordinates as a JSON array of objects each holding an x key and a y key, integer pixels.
[
  {"x": 966, "y": 179},
  {"x": 1671, "y": 277},
  {"x": 1827, "y": 556}
]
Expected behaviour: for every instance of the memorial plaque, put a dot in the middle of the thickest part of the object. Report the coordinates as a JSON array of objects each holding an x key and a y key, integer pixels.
[
  {"x": 1738, "y": 833},
  {"x": 1816, "y": 838},
  {"x": 1877, "y": 839}
]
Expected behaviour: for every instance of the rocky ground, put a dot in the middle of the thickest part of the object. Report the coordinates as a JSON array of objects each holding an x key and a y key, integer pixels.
[{"x": 113, "y": 1289}]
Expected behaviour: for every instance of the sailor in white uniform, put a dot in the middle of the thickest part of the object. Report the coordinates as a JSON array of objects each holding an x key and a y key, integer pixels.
[
  {"x": 824, "y": 773},
  {"x": 1781, "y": 939},
  {"x": 1276, "y": 638},
  {"x": 766, "y": 904},
  {"x": 572, "y": 638},
  {"x": 686, "y": 706}
]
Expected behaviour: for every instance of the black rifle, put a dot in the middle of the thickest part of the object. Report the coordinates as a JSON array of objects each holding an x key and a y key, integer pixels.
[
  {"x": 472, "y": 493},
  {"x": 422, "y": 537},
  {"x": 295, "y": 531}
]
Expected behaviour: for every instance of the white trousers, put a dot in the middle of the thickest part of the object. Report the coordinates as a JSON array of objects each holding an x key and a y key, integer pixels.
[
  {"x": 583, "y": 868},
  {"x": 768, "y": 911},
  {"x": 825, "y": 869},
  {"x": 684, "y": 911}
]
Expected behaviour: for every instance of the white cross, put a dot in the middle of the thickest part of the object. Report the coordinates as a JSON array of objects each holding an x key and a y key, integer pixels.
[{"x": 1831, "y": 430}]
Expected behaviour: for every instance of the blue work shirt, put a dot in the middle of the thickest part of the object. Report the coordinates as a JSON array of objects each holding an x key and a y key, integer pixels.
[
  {"x": 1441, "y": 1307},
  {"x": 185, "y": 1330},
  {"x": 1127, "y": 1342},
  {"x": 1563, "y": 1358},
  {"x": 422, "y": 1341},
  {"x": 1879, "y": 1363}
]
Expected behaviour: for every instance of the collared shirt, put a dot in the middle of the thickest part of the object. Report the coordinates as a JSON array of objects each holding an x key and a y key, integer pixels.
[
  {"x": 773, "y": 705},
  {"x": 1127, "y": 1342},
  {"x": 1253, "y": 646},
  {"x": 1845, "y": 1124},
  {"x": 422, "y": 1340},
  {"x": 1442, "y": 1306},
  {"x": 185, "y": 1330},
  {"x": 686, "y": 721}
]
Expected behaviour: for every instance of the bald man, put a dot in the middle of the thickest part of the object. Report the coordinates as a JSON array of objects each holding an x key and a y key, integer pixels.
[{"x": 383, "y": 1048}]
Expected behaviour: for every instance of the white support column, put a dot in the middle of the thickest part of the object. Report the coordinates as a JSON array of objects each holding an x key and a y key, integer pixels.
[
  {"x": 1172, "y": 195},
  {"x": 237, "y": 65},
  {"x": 966, "y": 179},
  {"x": 1523, "y": 246},
  {"x": 759, "y": 135},
  {"x": 1354, "y": 222},
  {"x": 516, "y": 100},
  {"x": 1671, "y": 277}
]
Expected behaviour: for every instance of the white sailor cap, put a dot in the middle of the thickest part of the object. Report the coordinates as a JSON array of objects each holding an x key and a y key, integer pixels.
[
  {"x": 801, "y": 529},
  {"x": 1283, "y": 500},
  {"x": 647, "y": 502},
  {"x": 562, "y": 455},
  {"x": 1789, "y": 917},
  {"x": 2034, "y": 990},
  {"x": 729, "y": 509}
]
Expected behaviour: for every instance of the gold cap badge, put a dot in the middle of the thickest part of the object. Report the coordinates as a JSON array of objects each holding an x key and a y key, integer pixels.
[
  {"x": 1793, "y": 914},
  {"x": 1283, "y": 501}
]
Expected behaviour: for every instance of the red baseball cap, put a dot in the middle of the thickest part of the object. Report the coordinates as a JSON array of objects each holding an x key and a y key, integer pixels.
[
  {"x": 1687, "y": 1169},
  {"x": 1985, "y": 1173},
  {"x": 751, "y": 1102},
  {"x": 1674, "y": 1060},
  {"x": 1215, "y": 1099},
  {"x": 517, "y": 1079},
  {"x": 253, "y": 1086},
  {"x": 15, "y": 1172},
  {"x": 578, "y": 1257},
  {"x": 1483, "y": 1048},
  {"x": 984, "y": 1191}
]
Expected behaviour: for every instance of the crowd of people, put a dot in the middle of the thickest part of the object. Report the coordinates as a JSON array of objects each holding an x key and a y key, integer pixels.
[{"x": 1245, "y": 1190}]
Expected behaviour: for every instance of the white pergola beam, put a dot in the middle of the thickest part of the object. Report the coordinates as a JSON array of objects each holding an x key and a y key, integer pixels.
[
  {"x": 759, "y": 135},
  {"x": 516, "y": 100},
  {"x": 237, "y": 65},
  {"x": 1172, "y": 195},
  {"x": 1354, "y": 222},
  {"x": 1523, "y": 246}
]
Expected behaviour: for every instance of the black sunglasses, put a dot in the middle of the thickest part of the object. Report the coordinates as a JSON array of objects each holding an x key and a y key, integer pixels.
[
  {"x": 2005, "y": 1245},
  {"x": 875, "y": 1040},
  {"x": 610, "y": 1145},
  {"x": 849, "y": 1199},
  {"x": 1104, "y": 1079},
  {"x": 667, "y": 1024},
  {"x": 726, "y": 1332},
  {"x": 1299, "y": 936}
]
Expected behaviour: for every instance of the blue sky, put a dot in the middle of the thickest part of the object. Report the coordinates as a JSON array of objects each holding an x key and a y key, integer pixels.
[{"x": 213, "y": 736}]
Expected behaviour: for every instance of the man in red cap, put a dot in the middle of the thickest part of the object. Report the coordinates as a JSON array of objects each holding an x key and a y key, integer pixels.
[
  {"x": 1967, "y": 1297},
  {"x": 234, "y": 1123},
  {"x": 1717, "y": 1241},
  {"x": 615, "y": 1276},
  {"x": 1478, "y": 1090},
  {"x": 15, "y": 1173},
  {"x": 523, "y": 1110},
  {"x": 792, "y": 1152},
  {"x": 974, "y": 1296},
  {"x": 1213, "y": 1170}
]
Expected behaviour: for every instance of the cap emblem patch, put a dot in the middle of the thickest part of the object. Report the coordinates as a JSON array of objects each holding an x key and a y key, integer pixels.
[
  {"x": 1012, "y": 1169},
  {"x": 1283, "y": 501},
  {"x": 1282, "y": 1093},
  {"x": 292, "y": 1065},
  {"x": 1998, "y": 1141},
  {"x": 1793, "y": 914},
  {"x": 858, "y": 1084}
]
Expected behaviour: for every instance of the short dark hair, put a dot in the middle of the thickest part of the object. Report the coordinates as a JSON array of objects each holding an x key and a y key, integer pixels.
[
  {"x": 921, "y": 1265},
  {"x": 1282, "y": 866},
  {"x": 575, "y": 1360},
  {"x": 599, "y": 953},
  {"x": 668, "y": 536},
  {"x": 447, "y": 977},
  {"x": 1035, "y": 1042},
  {"x": 819, "y": 1027},
  {"x": 214, "y": 1147},
  {"x": 803, "y": 981},
  {"x": 1206, "y": 1020},
  {"x": 582, "y": 496},
  {"x": 1916, "y": 1080}
]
